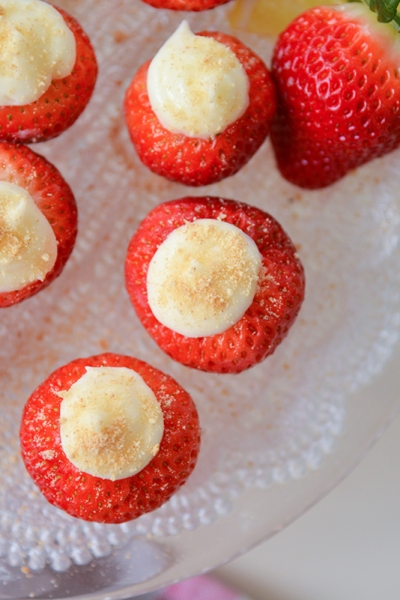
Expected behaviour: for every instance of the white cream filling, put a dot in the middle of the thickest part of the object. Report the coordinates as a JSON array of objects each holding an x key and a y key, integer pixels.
[
  {"x": 203, "y": 277},
  {"x": 36, "y": 47},
  {"x": 111, "y": 423},
  {"x": 196, "y": 85},
  {"x": 28, "y": 246}
]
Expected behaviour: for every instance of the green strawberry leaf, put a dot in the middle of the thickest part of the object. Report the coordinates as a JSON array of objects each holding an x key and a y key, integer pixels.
[{"x": 386, "y": 11}]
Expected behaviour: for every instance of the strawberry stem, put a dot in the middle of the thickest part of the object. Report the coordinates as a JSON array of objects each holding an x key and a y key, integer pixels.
[{"x": 386, "y": 11}]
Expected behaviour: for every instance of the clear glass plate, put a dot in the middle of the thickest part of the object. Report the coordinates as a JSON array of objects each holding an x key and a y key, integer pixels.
[{"x": 276, "y": 438}]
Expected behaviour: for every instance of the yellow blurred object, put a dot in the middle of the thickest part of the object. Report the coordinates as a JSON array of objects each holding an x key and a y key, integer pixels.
[{"x": 269, "y": 17}]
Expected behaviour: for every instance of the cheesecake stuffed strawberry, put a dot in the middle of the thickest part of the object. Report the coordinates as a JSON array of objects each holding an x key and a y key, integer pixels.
[
  {"x": 200, "y": 109},
  {"x": 48, "y": 70},
  {"x": 192, "y": 5},
  {"x": 108, "y": 438},
  {"x": 38, "y": 223},
  {"x": 337, "y": 74},
  {"x": 217, "y": 283}
]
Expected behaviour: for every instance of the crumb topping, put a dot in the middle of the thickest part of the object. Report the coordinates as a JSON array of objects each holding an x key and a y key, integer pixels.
[
  {"x": 203, "y": 277},
  {"x": 111, "y": 423}
]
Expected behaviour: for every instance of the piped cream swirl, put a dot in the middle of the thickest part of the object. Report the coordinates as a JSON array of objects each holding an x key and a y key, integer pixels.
[
  {"x": 28, "y": 245},
  {"x": 36, "y": 47},
  {"x": 111, "y": 423},
  {"x": 203, "y": 277},
  {"x": 196, "y": 85}
]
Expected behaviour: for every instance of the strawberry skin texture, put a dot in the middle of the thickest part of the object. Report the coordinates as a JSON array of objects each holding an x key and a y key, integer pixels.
[
  {"x": 274, "y": 308},
  {"x": 192, "y": 5},
  {"x": 51, "y": 193},
  {"x": 338, "y": 81},
  {"x": 195, "y": 161},
  {"x": 93, "y": 498},
  {"x": 61, "y": 104}
]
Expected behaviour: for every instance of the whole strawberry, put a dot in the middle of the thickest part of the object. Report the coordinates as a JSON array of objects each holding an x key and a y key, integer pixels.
[
  {"x": 38, "y": 223},
  {"x": 272, "y": 306},
  {"x": 200, "y": 159},
  {"x": 192, "y": 5},
  {"x": 84, "y": 406},
  {"x": 338, "y": 80},
  {"x": 59, "y": 106}
]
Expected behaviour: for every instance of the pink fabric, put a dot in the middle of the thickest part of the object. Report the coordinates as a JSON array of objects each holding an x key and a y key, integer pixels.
[{"x": 200, "y": 588}]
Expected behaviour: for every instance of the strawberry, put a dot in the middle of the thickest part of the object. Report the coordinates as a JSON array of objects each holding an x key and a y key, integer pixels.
[
  {"x": 98, "y": 499},
  {"x": 62, "y": 103},
  {"x": 196, "y": 161},
  {"x": 276, "y": 303},
  {"x": 21, "y": 166},
  {"x": 192, "y": 5},
  {"x": 338, "y": 80}
]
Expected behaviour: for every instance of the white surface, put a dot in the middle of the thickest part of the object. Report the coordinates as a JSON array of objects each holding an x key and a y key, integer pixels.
[{"x": 347, "y": 547}]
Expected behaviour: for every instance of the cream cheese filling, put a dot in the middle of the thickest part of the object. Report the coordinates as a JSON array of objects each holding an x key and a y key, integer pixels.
[
  {"x": 111, "y": 423},
  {"x": 36, "y": 47},
  {"x": 203, "y": 277},
  {"x": 28, "y": 246},
  {"x": 196, "y": 85}
]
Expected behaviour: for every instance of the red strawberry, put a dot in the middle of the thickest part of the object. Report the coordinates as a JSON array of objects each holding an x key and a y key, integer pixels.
[
  {"x": 196, "y": 161},
  {"x": 51, "y": 193},
  {"x": 274, "y": 308},
  {"x": 103, "y": 500},
  {"x": 61, "y": 104},
  {"x": 338, "y": 79},
  {"x": 193, "y": 5}
]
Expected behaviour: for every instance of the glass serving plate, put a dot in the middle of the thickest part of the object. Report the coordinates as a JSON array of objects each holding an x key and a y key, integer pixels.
[{"x": 276, "y": 438}]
